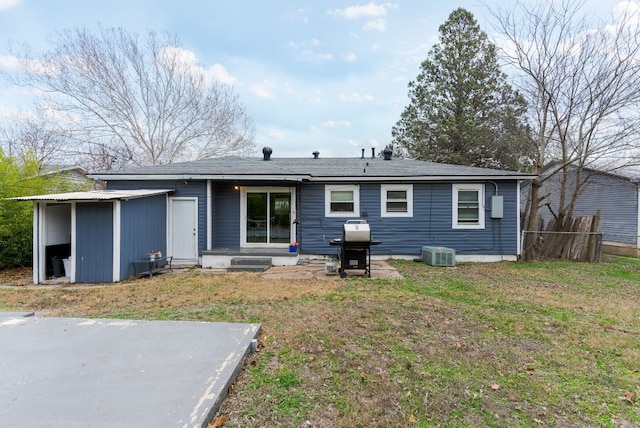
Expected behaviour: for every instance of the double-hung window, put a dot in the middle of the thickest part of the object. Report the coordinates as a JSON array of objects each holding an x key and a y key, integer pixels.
[
  {"x": 468, "y": 206},
  {"x": 342, "y": 200},
  {"x": 396, "y": 200}
]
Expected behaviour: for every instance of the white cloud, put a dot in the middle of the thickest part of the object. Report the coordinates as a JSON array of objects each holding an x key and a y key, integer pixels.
[
  {"x": 9, "y": 63},
  {"x": 355, "y": 97},
  {"x": 625, "y": 13},
  {"x": 299, "y": 14},
  {"x": 7, "y": 112},
  {"x": 335, "y": 124},
  {"x": 312, "y": 56},
  {"x": 220, "y": 74},
  {"x": 367, "y": 10},
  {"x": 350, "y": 57},
  {"x": 214, "y": 73},
  {"x": 265, "y": 90},
  {"x": 377, "y": 25},
  {"x": 625, "y": 7},
  {"x": 8, "y": 4},
  {"x": 12, "y": 64},
  {"x": 353, "y": 143}
]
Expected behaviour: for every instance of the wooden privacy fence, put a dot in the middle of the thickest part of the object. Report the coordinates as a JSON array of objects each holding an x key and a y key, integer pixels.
[{"x": 577, "y": 239}]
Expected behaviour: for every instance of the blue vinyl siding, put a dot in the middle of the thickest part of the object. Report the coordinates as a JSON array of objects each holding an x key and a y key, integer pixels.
[
  {"x": 616, "y": 198},
  {"x": 431, "y": 223},
  {"x": 143, "y": 228},
  {"x": 226, "y": 216},
  {"x": 94, "y": 242},
  {"x": 192, "y": 188}
]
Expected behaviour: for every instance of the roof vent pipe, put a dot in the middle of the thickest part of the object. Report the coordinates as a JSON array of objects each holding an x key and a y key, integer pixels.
[
  {"x": 266, "y": 153},
  {"x": 362, "y": 157},
  {"x": 373, "y": 152},
  {"x": 316, "y": 154},
  {"x": 388, "y": 153}
]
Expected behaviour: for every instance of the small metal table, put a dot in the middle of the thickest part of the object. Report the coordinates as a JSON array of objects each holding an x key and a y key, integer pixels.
[{"x": 148, "y": 266}]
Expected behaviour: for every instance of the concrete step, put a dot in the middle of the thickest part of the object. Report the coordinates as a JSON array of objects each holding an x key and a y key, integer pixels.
[
  {"x": 248, "y": 268},
  {"x": 263, "y": 261},
  {"x": 250, "y": 264}
]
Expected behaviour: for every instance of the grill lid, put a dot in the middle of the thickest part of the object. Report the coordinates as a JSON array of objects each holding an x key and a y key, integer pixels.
[{"x": 356, "y": 231}]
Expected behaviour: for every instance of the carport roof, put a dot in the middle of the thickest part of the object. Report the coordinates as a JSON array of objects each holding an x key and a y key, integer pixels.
[{"x": 95, "y": 195}]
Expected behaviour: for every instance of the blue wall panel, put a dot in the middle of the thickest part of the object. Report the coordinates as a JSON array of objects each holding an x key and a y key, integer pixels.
[
  {"x": 226, "y": 216},
  {"x": 94, "y": 242},
  {"x": 143, "y": 228},
  {"x": 431, "y": 223},
  {"x": 181, "y": 188}
]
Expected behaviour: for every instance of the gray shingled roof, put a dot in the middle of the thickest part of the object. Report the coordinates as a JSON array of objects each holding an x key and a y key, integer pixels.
[{"x": 312, "y": 169}]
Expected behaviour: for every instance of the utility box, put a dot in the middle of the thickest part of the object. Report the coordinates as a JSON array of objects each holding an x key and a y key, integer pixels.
[
  {"x": 497, "y": 206},
  {"x": 439, "y": 256}
]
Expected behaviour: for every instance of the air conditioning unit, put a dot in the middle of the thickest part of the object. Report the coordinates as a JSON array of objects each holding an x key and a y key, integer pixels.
[{"x": 439, "y": 256}]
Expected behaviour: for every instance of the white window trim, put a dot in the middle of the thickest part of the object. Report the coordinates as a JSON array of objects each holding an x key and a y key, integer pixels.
[
  {"x": 384, "y": 188},
  {"x": 454, "y": 206},
  {"x": 327, "y": 200},
  {"x": 243, "y": 214}
]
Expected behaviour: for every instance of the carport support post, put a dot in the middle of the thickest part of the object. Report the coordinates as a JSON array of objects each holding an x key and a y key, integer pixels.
[{"x": 36, "y": 243}]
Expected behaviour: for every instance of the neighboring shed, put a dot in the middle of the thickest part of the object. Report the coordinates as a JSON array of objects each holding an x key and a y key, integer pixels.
[
  {"x": 74, "y": 174},
  {"x": 614, "y": 195},
  {"x": 97, "y": 233}
]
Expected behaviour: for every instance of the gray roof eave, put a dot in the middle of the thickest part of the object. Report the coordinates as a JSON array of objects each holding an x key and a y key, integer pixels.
[
  {"x": 423, "y": 178},
  {"x": 301, "y": 178},
  {"x": 238, "y": 177}
]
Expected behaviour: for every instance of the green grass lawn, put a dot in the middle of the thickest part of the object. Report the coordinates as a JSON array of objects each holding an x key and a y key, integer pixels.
[{"x": 504, "y": 344}]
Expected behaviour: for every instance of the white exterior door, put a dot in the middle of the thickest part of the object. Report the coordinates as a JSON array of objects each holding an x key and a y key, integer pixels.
[{"x": 183, "y": 229}]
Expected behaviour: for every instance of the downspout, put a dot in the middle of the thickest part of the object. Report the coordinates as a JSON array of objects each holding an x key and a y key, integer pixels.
[
  {"x": 73, "y": 257},
  {"x": 209, "y": 229},
  {"x": 638, "y": 219},
  {"x": 117, "y": 234},
  {"x": 36, "y": 243},
  {"x": 519, "y": 238}
]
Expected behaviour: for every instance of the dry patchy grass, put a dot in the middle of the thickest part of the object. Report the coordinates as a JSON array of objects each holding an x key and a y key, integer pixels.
[{"x": 548, "y": 344}]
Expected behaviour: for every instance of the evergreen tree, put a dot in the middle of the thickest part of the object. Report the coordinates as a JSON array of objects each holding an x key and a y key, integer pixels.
[{"x": 462, "y": 111}]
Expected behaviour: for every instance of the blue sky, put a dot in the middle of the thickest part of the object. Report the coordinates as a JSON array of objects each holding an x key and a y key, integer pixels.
[{"x": 314, "y": 75}]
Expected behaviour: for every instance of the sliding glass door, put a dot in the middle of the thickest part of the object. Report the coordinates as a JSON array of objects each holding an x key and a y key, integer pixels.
[{"x": 267, "y": 216}]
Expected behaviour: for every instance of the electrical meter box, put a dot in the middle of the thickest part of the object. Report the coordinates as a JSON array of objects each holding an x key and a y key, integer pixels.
[{"x": 497, "y": 206}]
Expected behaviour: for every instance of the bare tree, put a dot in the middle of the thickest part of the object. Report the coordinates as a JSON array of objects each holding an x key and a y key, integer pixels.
[
  {"x": 140, "y": 102},
  {"x": 36, "y": 137},
  {"x": 582, "y": 84}
]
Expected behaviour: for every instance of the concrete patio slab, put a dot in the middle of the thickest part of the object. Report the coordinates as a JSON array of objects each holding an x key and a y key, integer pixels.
[
  {"x": 72, "y": 372},
  {"x": 316, "y": 269}
]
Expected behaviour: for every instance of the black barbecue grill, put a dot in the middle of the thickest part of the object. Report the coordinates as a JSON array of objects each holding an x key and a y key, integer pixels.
[{"x": 355, "y": 247}]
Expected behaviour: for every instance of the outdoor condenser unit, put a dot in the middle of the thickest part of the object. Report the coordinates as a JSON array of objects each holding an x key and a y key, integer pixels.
[{"x": 439, "y": 256}]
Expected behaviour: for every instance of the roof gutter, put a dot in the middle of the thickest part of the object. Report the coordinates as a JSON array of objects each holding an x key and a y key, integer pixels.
[
  {"x": 137, "y": 177},
  {"x": 422, "y": 178}
]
